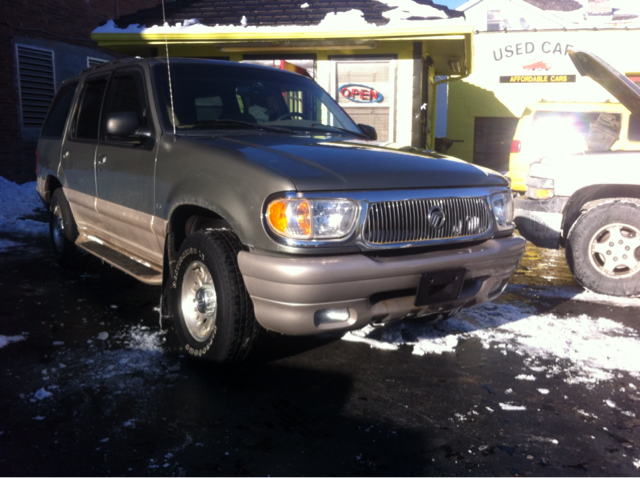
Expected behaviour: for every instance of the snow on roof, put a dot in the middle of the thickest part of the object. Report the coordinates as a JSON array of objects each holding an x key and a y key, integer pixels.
[{"x": 194, "y": 18}]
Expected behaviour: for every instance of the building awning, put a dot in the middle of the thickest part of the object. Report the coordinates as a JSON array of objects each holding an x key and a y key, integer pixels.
[{"x": 448, "y": 40}]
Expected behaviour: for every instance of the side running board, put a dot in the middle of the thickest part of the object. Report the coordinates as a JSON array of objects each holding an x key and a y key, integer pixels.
[{"x": 141, "y": 271}]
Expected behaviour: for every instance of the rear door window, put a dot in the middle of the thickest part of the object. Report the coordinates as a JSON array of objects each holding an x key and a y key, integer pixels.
[
  {"x": 87, "y": 119},
  {"x": 54, "y": 124}
]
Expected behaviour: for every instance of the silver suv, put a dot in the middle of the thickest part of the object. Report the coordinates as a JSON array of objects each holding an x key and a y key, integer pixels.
[{"x": 254, "y": 200}]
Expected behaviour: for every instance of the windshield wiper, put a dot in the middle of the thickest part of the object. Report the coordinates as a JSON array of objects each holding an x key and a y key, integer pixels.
[
  {"x": 223, "y": 122},
  {"x": 326, "y": 127}
]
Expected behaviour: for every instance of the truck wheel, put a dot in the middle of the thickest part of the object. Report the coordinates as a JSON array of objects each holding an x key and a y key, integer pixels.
[
  {"x": 213, "y": 311},
  {"x": 603, "y": 249},
  {"x": 63, "y": 231}
]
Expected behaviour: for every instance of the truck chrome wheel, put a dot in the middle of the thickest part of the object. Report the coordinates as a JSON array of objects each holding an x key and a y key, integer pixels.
[
  {"x": 603, "y": 249},
  {"x": 614, "y": 249},
  {"x": 199, "y": 301},
  {"x": 57, "y": 230},
  {"x": 213, "y": 312},
  {"x": 63, "y": 231}
]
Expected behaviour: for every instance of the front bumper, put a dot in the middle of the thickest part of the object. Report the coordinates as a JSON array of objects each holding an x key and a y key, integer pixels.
[
  {"x": 288, "y": 291},
  {"x": 540, "y": 220}
]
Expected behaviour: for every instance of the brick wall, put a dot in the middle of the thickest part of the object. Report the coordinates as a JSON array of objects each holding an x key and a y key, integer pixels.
[{"x": 67, "y": 21}]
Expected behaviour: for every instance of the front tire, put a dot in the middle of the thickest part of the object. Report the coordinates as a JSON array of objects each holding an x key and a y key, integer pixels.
[
  {"x": 213, "y": 311},
  {"x": 603, "y": 249},
  {"x": 63, "y": 230}
]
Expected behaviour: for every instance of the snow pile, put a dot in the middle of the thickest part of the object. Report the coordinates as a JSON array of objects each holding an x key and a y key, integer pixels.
[
  {"x": 581, "y": 349},
  {"x": 17, "y": 201},
  {"x": 6, "y": 340}
]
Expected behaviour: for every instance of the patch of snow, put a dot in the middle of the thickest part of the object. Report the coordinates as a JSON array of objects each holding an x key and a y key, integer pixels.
[
  {"x": 405, "y": 9},
  {"x": 103, "y": 336},
  {"x": 543, "y": 391},
  {"x": 584, "y": 349},
  {"x": 511, "y": 407},
  {"x": 17, "y": 201},
  {"x": 42, "y": 394},
  {"x": 6, "y": 340},
  {"x": 529, "y": 378}
]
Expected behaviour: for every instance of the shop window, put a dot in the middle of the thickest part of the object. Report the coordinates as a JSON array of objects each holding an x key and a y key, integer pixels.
[
  {"x": 366, "y": 91},
  {"x": 36, "y": 83},
  {"x": 493, "y": 20},
  {"x": 492, "y": 142}
]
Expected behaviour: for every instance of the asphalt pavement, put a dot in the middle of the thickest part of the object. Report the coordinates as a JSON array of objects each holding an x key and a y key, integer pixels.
[{"x": 94, "y": 384}]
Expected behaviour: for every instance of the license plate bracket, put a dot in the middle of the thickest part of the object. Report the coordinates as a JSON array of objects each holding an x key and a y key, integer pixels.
[{"x": 443, "y": 286}]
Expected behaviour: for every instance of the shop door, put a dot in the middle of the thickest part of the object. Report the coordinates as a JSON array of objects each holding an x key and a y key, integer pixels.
[
  {"x": 366, "y": 89},
  {"x": 492, "y": 142}
]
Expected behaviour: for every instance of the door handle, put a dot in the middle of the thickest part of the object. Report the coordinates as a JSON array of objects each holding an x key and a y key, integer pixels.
[
  {"x": 65, "y": 154},
  {"x": 102, "y": 159}
]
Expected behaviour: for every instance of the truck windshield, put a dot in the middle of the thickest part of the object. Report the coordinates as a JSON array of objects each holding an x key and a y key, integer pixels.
[{"x": 211, "y": 95}]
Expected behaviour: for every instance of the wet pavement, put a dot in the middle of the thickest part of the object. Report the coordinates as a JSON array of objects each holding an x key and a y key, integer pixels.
[{"x": 92, "y": 386}]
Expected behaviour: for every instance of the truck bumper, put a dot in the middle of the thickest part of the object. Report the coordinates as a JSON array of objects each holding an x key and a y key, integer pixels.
[
  {"x": 540, "y": 221},
  {"x": 292, "y": 295}
]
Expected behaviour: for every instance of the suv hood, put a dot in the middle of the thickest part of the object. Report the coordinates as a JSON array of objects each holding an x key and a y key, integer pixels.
[
  {"x": 316, "y": 163},
  {"x": 621, "y": 87}
]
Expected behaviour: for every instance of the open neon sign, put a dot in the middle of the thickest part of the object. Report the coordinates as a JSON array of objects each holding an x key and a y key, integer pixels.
[{"x": 360, "y": 93}]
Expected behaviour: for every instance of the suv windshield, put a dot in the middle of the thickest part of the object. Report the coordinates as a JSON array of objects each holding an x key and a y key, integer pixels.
[{"x": 211, "y": 95}]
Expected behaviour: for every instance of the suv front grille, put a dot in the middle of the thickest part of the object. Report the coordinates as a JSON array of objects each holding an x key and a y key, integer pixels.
[{"x": 393, "y": 222}]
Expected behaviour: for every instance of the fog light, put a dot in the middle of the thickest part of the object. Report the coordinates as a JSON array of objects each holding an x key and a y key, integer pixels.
[{"x": 331, "y": 316}]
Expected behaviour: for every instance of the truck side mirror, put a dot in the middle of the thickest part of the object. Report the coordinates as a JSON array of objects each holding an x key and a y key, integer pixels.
[
  {"x": 125, "y": 124},
  {"x": 370, "y": 131}
]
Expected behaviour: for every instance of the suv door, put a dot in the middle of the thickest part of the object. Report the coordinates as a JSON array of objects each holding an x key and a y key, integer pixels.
[
  {"x": 79, "y": 154},
  {"x": 125, "y": 168}
]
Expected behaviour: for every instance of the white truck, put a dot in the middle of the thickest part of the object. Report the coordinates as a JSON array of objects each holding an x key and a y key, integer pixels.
[{"x": 589, "y": 203}]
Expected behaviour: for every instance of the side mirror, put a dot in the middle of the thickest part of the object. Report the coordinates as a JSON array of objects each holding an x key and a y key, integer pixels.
[
  {"x": 370, "y": 131},
  {"x": 126, "y": 124}
]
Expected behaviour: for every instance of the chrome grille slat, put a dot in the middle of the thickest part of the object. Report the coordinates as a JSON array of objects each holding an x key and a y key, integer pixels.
[{"x": 393, "y": 222}]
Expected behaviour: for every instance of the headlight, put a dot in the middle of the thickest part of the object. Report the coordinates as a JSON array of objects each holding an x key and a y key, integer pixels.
[
  {"x": 540, "y": 188},
  {"x": 502, "y": 205},
  {"x": 312, "y": 219}
]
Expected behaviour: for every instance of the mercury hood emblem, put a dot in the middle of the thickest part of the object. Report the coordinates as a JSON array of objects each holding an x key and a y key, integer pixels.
[{"x": 436, "y": 217}]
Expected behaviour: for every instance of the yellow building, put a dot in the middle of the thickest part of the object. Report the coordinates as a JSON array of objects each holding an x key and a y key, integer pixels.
[
  {"x": 379, "y": 61},
  {"x": 520, "y": 58}
]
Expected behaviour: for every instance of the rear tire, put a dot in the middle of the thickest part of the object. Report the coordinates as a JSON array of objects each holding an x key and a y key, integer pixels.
[
  {"x": 603, "y": 249},
  {"x": 212, "y": 308},
  {"x": 63, "y": 231}
]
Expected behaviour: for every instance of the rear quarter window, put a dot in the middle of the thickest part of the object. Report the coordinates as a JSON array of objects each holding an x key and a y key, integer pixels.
[
  {"x": 634, "y": 128},
  {"x": 54, "y": 124},
  {"x": 566, "y": 129}
]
